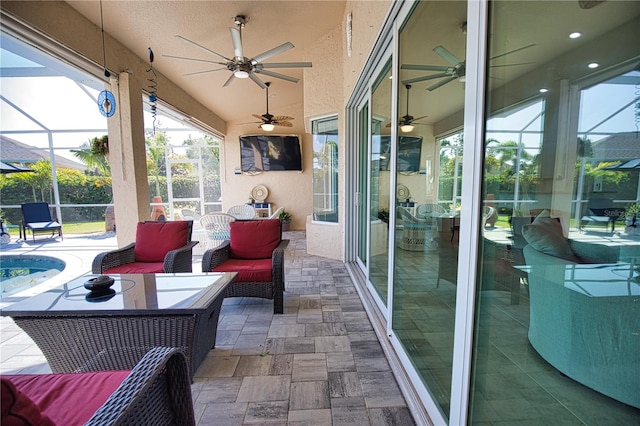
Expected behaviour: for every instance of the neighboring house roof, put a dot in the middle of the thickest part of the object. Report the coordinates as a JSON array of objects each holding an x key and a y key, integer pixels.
[
  {"x": 12, "y": 151},
  {"x": 625, "y": 145}
]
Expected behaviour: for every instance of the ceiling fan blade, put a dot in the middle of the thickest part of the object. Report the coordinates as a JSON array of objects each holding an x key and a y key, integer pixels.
[
  {"x": 425, "y": 78},
  {"x": 236, "y": 39},
  {"x": 440, "y": 83},
  {"x": 282, "y": 118},
  {"x": 194, "y": 59},
  {"x": 258, "y": 117},
  {"x": 229, "y": 80},
  {"x": 193, "y": 43},
  {"x": 276, "y": 75},
  {"x": 285, "y": 65},
  {"x": 423, "y": 67},
  {"x": 446, "y": 55},
  {"x": 418, "y": 118},
  {"x": 271, "y": 52},
  {"x": 256, "y": 80},
  {"x": 512, "y": 51},
  {"x": 204, "y": 72},
  {"x": 283, "y": 123}
]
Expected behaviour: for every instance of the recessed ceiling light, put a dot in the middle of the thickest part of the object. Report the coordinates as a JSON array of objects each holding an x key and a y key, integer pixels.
[
  {"x": 543, "y": 90},
  {"x": 593, "y": 65},
  {"x": 575, "y": 35}
]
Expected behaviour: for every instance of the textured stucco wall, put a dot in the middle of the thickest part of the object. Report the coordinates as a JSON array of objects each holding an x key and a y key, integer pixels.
[{"x": 328, "y": 86}]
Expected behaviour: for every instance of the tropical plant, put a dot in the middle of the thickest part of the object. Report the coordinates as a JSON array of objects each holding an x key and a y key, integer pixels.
[
  {"x": 285, "y": 216},
  {"x": 94, "y": 155}
]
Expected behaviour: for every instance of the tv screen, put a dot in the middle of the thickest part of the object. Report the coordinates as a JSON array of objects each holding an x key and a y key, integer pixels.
[
  {"x": 409, "y": 149},
  {"x": 270, "y": 152}
]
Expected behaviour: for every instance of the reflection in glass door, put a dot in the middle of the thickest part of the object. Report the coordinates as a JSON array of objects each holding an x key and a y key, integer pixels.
[{"x": 380, "y": 183}]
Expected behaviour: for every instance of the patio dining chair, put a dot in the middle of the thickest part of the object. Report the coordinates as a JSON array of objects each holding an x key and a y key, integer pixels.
[
  {"x": 217, "y": 227},
  {"x": 242, "y": 212},
  {"x": 36, "y": 217}
]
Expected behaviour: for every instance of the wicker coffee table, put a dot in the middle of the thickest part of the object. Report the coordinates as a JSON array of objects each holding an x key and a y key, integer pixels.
[{"x": 114, "y": 330}]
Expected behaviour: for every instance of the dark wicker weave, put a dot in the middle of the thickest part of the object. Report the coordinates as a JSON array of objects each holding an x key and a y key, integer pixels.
[
  {"x": 70, "y": 342},
  {"x": 179, "y": 260},
  {"x": 156, "y": 392},
  {"x": 265, "y": 290}
]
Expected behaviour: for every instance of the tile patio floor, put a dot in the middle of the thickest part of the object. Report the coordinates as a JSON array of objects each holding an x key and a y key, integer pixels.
[{"x": 320, "y": 363}]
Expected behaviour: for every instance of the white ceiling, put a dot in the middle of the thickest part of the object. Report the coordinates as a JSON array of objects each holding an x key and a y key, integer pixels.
[{"x": 143, "y": 24}]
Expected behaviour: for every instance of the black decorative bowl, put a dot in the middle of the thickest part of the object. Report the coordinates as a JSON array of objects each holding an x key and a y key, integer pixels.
[
  {"x": 100, "y": 296},
  {"x": 99, "y": 284}
]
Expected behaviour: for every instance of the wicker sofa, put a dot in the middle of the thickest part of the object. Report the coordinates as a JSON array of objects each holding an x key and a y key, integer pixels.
[{"x": 156, "y": 392}]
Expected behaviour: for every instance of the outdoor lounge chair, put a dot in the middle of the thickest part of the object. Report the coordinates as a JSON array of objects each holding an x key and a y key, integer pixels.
[
  {"x": 36, "y": 217},
  {"x": 255, "y": 251},
  {"x": 159, "y": 247}
]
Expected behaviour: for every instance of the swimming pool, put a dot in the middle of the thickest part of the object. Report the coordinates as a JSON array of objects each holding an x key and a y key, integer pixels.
[{"x": 18, "y": 272}]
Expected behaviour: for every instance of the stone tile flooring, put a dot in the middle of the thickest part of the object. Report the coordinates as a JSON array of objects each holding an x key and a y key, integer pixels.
[{"x": 319, "y": 363}]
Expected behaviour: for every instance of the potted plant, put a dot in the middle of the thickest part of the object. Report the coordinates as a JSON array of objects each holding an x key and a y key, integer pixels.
[{"x": 285, "y": 218}]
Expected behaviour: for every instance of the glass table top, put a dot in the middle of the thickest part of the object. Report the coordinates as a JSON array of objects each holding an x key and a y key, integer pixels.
[{"x": 130, "y": 293}]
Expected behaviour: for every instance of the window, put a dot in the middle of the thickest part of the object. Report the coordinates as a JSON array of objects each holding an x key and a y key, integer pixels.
[{"x": 325, "y": 169}]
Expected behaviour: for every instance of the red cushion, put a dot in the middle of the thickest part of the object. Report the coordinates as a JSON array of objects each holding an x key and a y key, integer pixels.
[
  {"x": 18, "y": 409},
  {"x": 254, "y": 239},
  {"x": 248, "y": 270},
  {"x": 137, "y": 268},
  {"x": 155, "y": 239},
  {"x": 69, "y": 399}
]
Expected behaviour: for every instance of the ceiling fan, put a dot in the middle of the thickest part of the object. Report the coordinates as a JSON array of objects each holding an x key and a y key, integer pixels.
[
  {"x": 457, "y": 70},
  {"x": 270, "y": 121},
  {"x": 241, "y": 66},
  {"x": 408, "y": 121}
]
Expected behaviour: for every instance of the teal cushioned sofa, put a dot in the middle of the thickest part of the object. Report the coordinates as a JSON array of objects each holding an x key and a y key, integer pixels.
[{"x": 593, "y": 340}]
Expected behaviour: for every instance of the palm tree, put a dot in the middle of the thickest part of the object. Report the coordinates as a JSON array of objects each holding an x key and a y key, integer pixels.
[{"x": 93, "y": 157}]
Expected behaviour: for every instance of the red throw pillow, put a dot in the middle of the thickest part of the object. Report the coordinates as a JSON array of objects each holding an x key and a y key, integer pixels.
[
  {"x": 254, "y": 239},
  {"x": 155, "y": 239},
  {"x": 18, "y": 409}
]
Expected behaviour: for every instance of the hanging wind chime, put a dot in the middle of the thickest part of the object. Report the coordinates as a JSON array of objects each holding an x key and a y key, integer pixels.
[
  {"x": 153, "y": 89},
  {"x": 106, "y": 100}
]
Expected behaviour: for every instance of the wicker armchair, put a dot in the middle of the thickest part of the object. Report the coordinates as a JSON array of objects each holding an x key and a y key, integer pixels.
[
  {"x": 242, "y": 212},
  {"x": 159, "y": 247},
  {"x": 416, "y": 232},
  {"x": 156, "y": 392},
  {"x": 256, "y": 251}
]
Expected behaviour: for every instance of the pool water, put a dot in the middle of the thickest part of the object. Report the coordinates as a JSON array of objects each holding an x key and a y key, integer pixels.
[{"x": 25, "y": 271}]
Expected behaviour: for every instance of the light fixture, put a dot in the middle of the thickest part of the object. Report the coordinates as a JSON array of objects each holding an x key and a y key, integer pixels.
[
  {"x": 462, "y": 78},
  {"x": 406, "y": 128},
  {"x": 241, "y": 74},
  {"x": 575, "y": 35},
  {"x": 543, "y": 90},
  {"x": 593, "y": 65},
  {"x": 267, "y": 127}
]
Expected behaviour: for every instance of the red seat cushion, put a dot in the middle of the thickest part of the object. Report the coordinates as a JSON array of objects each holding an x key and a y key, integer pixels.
[
  {"x": 137, "y": 268},
  {"x": 68, "y": 399},
  {"x": 18, "y": 409},
  {"x": 248, "y": 270},
  {"x": 254, "y": 239},
  {"x": 155, "y": 239}
]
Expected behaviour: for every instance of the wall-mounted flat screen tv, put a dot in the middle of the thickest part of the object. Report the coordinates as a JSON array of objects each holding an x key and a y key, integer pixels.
[
  {"x": 409, "y": 150},
  {"x": 270, "y": 153}
]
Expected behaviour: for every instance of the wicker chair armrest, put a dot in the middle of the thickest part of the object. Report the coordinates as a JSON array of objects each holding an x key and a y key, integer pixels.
[
  {"x": 180, "y": 260},
  {"x": 157, "y": 391},
  {"x": 213, "y": 257},
  {"x": 113, "y": 258},
  {"x": 277, "y": 266}
]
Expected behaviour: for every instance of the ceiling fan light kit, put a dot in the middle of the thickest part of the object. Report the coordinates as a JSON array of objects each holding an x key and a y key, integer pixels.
[
  {"x": 268, "y": 127},
  {"x": 406, "y": 128}
]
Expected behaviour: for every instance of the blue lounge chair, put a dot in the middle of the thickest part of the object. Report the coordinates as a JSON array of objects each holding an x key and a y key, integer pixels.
[{"x": 37, "y": 218}]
